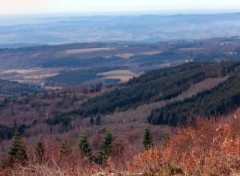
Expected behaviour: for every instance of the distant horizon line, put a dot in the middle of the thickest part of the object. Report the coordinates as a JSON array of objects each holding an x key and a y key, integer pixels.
[{"x": 123, "y": 13}]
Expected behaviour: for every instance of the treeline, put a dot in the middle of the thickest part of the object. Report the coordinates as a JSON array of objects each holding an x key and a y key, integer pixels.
[
  {"x": 211, "y": 103},
  {"x": 13, "y": 88},
  {"x": 154, "y": 86},
  {"x": 149, "y": 60},
  {"x": 6, "y": 132},
  {"x": 77, "y": 77},
  {"x": 75, "y": 62},
  {"x": 18, "y": 150}
]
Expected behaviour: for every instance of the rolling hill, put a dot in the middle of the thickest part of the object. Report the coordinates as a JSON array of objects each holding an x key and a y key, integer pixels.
[
  {"x": 167, "y": 85},
  {"x": 116, "y": 28},
  {"x": 15, "y": 88}
]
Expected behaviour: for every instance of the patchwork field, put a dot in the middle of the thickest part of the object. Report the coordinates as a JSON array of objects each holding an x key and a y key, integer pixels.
[
  {"x": 87, "y": 50},
  {"x": 129, "y": 55},
  {"x": 30, "y": 76},
  {"x": 107, "y": 63},
  {"x": 122, "y": 75}
]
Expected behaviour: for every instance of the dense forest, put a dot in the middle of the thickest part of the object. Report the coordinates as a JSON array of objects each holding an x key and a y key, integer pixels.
[
  {"x": 5, "y": 132},
  {"x": 13, "y": 88},
  {"x": 48, "y": 134},
  {"x": 157, "y": 85},
  {"x": 77, "y": 77},
  {"x": 211, "y": 103},
  {"x": 57, "y": 111}
]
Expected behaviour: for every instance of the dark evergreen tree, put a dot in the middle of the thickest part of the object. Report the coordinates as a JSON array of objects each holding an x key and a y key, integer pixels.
[
  {"x": 105, "y": 148},
  {"x": 5, "y": 101},
  {"x": 65, "y": 148},
  {"x": 84, "y": 146},
  {"x": 98, "y": 120},
  {"x": 40, "y": 151},
  {"x": 147, "y": 139},
  {"x": 91, "y": 121},
  {"x": 18, "y": 149}
]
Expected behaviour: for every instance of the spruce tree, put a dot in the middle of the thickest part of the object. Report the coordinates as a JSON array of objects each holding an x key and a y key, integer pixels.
[
  {"x": 98, "y": 120},
  {"x": 84, "y": 146},
  {"x": 40, "y": 151},
  {"x": 65, "y": 148},
  {"x": 105, "y": 148},
  {"x": 91, "y": 121},
  {"x": 18, "y": 149},
  {"x": 147, "y": 139}
]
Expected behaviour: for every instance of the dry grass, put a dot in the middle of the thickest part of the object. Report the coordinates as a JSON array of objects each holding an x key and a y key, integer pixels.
[
  {"x": 207, "y": 84},
  {"x": 128, "y": 55},
  {"x": 54, "y": 169},
  {"x": 210, "y": 148},
  {"x": 33, "y": 75},
  {"x": 122, "y": 75},
  {"x": 207, "y": 148},
  {"x": 88, "y": 50}
]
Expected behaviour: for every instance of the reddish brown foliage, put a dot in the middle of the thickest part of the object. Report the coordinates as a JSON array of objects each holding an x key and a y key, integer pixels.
[{"x": 207, "y": 148}]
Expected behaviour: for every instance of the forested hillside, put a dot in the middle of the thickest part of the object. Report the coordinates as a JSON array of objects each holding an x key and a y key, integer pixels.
[
  {"x": 166, "y": 84},
  {"x": 138, "y": 92},
  {"x": 45, "y": 125},
  {"x": 11, "y": 87},
  {"x": 211, "y": 103}
]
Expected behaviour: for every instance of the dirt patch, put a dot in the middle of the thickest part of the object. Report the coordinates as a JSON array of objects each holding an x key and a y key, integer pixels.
[
  {"x": 40, "y": 76},
  {"x": 32, "y": 76},
  {"x": 53, "y": 88},
  {"x": 199, "y": 87},
  {"x": 88, "y": 50},
  {"x": 128, "y": 55},
  {"x": 122, "y": 75},
  {"x": 20, "y": 71}
]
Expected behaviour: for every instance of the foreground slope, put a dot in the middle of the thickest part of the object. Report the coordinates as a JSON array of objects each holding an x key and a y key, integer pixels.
[{"x": 207, "y": 148}]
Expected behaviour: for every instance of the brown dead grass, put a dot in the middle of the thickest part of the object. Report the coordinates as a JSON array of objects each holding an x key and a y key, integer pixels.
[
  {"x": 128, "y": 55},
  {"x": 122, "y": 75},
  {"x": 209, "y": 148},
  {"x": 88, "y": 50},
  {"x": 32, "y": 76},
  {"x": 207, "y": 84}
]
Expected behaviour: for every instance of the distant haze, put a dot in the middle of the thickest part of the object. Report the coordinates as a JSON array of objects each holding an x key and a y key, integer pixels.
[
  {"x": 93, "y": 6},
  {"x": 128, "y": 28}
]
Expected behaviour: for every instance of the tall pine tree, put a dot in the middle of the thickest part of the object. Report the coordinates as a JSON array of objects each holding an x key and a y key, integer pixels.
[
  {"x": 84, "y": 146},
  {"x": 18, "y": 149},
  {"x": 91, "y": 121},
  {"x": 105, "y": 148},
  {"x": 147, "y": 139},
  {"x": 40, "y": 151},
  {"x": 98, "y": 120},
  {"x": 65, "y": 148}
]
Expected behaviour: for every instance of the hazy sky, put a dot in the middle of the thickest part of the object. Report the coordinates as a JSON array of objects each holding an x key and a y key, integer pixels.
[{"x": 81, "y": 6}]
